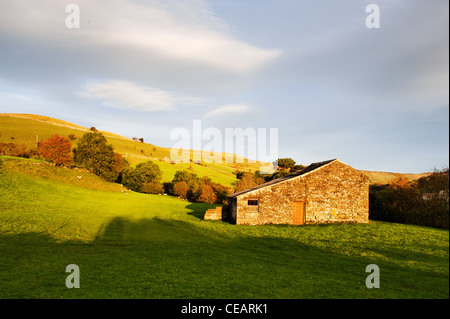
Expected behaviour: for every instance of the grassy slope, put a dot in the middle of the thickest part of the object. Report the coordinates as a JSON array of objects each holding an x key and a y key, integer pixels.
[
  {"x": 23, "y": 128},
  {"x": 150, "y": 246},
  {"x": 386, "y": 177}
]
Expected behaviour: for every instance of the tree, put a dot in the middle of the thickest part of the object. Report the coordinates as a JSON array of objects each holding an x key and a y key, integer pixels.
[
  {"x": 248, "y": 180},
  {"x": 221, "y": 192},
  {"x": 239, "y": 174},
  {"x": 198, "y": 187},
  {"x": 437, "y": 181},
  {"x": 56, "y": 149},
  {"x": 191, "y": 179},
  {"x": 119, "y": 167},
  {"x": 286, "y": 163},
  {"x": 181, "y": 189},
  {"x": 96, "y": 155},
  {"x": 297, "y": 168},
  {"x": 207, "y": 194},
  {"x": 143, "y": 173}
]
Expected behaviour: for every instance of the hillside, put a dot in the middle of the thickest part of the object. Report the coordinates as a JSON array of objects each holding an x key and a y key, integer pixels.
[
  {"x": 27, "y": 129},
  {"x": 386, "y": 177}
]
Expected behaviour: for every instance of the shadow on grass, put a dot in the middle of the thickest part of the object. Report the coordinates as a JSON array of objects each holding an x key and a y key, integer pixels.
[
  {"x": 198, "y": 210},
  {"x": 162, "y": 258}
]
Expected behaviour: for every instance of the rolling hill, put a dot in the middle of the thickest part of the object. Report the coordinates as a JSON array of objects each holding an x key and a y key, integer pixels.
[
  {"x": 28, "y": 129},
  {"x": 386, "y": 177}
]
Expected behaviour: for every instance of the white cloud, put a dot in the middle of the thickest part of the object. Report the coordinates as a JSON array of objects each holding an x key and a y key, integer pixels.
[
  {"x": 185, "y": 32},
  {"x": 230, "y": 109},
  {"x": 127, "y": 95}
]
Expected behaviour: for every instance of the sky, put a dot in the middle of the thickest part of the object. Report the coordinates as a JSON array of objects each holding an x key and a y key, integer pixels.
[{"x": 376, "y": 98}]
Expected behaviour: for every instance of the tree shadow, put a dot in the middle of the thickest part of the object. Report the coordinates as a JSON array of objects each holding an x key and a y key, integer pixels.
[{"x": 167, "y": 258}]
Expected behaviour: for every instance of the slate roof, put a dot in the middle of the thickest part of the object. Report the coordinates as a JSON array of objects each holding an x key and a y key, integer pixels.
[{"x": 303, "y": 171}]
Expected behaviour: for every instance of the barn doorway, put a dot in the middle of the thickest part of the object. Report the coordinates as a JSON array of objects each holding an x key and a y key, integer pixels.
[{"x": 299, "y": 209}]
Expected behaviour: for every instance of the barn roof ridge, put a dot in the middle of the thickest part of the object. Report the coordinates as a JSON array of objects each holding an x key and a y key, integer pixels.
[{"x": 310, "y": 168}]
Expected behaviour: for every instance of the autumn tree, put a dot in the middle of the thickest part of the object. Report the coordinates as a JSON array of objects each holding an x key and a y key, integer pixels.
[
  {"x": 181, "y": 189},
  {"x": 248, "y": 180},
  {"x": 119, "y": 167},
  {"x": 207, "y": 194},
  {"x": 56, "y": 149}
]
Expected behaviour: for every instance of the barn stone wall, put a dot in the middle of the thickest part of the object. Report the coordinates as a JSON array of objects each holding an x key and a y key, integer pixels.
[
  {"x": 333, "y": 193},
  {"x": 218, "y": 213}
]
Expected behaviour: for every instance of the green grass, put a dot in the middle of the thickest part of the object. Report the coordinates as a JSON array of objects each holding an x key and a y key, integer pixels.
[{"x": 154, "y": 246}]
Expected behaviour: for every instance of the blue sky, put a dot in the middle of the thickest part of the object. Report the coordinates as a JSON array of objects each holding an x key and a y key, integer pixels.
[{"x": 376, "y": 99}]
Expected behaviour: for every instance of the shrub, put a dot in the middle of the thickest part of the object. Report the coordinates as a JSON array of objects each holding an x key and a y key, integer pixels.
[
  {"x": 17, "y": 150},
  {"x": 168, "y": 188},
  {"x": 56, "y": 149},
  {"x": 424, "y": 202},
  {"x": 152, "y": 188}
]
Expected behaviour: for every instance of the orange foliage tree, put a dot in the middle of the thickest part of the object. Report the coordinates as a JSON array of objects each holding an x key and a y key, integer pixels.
[
  {"x": 56, "y": 149},
  {"x": 248, "y": 180},
  {"x": 207, "y": 195},
  {"x": 181, "y": 189}
]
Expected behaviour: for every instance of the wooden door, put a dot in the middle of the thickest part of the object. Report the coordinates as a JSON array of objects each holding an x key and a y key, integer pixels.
[{"x": 299, "y": 213}]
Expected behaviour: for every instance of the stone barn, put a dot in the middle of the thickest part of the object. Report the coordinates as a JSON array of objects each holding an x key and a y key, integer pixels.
[{"x": 325, "y": 192}]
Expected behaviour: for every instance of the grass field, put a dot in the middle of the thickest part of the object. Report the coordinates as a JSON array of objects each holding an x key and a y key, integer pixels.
[{"x": 130, "y": 245}]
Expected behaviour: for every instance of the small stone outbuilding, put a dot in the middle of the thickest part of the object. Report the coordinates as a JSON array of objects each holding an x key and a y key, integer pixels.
[{"x": 325, "y": 192}]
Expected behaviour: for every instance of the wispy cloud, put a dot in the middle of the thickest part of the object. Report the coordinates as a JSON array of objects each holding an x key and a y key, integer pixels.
[
  {"x": 230, "y": 109},
  {"x": 169, "y": 30},
  {"x": 128, "y": 95}
]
